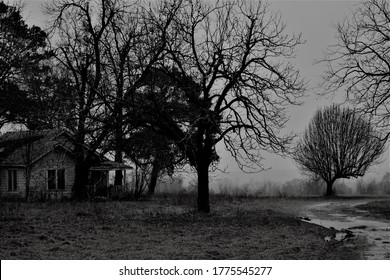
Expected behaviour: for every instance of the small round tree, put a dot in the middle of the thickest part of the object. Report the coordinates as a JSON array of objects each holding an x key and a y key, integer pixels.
[{"x": 339, "y": 143}]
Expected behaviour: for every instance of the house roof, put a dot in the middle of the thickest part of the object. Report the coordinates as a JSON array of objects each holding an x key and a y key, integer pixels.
[{"x": 21, "y": 148}]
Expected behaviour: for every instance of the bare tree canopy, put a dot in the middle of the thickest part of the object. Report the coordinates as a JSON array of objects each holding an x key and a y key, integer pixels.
[
  {"x": 229, "y": 63},
  {"x": 78, "y": 29},
  {"x": 339, "y": 143},
  {"x": 103, "y": 47},
  {"x": 360, "y": 61}
]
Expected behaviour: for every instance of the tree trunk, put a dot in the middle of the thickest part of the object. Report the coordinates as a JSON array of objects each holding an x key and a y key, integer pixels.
[
  {"x": 203, "y": 188},
  {"x": 118, "y": 112},
  {"x": 118, "y": 173},
  {"x": 28, "y": 160},
  {"x": 80, "y": 186},
  {"x": 28, "y": 178},
  {"x": 153, "y": 178},
  {"x": 329, "y": 190}
]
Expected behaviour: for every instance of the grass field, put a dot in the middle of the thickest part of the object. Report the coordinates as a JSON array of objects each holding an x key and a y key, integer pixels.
[
  {"x": 166, "y": 228},
  {"x": 379, "y": 209}
]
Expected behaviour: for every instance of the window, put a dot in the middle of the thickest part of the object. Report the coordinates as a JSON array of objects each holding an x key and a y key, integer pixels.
[
  {"x": 56, "y": 179},
  {"x": 51, "y": 179},
  {"x": 12, "y": 180},
  {"x": 61, "y": 179}
]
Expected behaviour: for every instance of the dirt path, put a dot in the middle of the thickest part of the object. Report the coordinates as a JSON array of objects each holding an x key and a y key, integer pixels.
[{"x": 350, "y": 221}]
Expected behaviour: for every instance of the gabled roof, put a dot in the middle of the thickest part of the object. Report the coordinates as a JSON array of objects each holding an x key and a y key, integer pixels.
[{"x": 21, "y": 148}]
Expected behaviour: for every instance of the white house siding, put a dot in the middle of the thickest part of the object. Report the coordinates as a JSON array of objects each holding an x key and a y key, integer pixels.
[
  {"x": 21, "y": 183},
  {"x": 39, "y": 175}
]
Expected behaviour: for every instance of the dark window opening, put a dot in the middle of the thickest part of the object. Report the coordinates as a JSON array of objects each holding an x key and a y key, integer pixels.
[
  {"x": 61, "y": 179},
  {"x": 12, "y": 180},
  {"x": 56, "y": 179},
  {"x": 51, "y": 179}
]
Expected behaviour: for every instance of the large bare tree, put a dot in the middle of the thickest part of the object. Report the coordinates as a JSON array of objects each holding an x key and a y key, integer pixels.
[
  {"x": 360, "y": 61},
  {"x": 339, "y": 143},
  {"x": 77, "y": 29},
  {"x": 105, "y": 46},
  {"x": 129, "y": 49},
  {"x": 229, "y": 79}
]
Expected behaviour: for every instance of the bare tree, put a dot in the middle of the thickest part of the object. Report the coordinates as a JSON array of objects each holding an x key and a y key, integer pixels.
[
  {"x": 78, "y": 28},
  {"x": 230, "y": 80},
  {"x": 129, "y": 50},
  {"x": 339, "y": 143},
  {"x": 119, "y": 43},
  {"x": 360, "y": 61},
  {"x": 104, "y": 46}
]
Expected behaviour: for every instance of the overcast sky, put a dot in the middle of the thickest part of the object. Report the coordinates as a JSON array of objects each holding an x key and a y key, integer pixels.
[{"x": 315, "y": 20}]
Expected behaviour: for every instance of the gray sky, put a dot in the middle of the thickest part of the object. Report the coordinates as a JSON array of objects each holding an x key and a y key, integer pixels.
[{"x": 314, "y": 19}]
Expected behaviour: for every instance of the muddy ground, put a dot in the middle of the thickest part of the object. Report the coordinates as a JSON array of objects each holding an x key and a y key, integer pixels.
[
  {"x": 168, "y": 228},
  {"x": 363, "y": 217}
]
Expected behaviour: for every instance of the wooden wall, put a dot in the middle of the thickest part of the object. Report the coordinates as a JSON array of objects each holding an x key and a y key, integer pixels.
[
  {"x": 39, "y": 175},
  {"x": 21, "y": 181},
  {"x": 57, "y": 159}
]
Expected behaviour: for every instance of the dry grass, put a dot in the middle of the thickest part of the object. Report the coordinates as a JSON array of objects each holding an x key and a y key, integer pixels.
[
  {"x": 166, "y": 228},
  {"x": 379, "y": 209}
]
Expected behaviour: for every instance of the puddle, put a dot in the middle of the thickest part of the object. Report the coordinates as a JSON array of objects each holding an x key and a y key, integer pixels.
[
  {"x": 339, "y": 236},
  {"x": 348, "y": 225}
]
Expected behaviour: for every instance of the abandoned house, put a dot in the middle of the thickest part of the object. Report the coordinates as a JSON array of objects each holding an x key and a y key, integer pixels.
[{"x": 43, "y": 162}]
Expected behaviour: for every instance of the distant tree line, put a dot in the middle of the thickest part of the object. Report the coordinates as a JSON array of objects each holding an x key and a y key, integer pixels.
[{"x": 303, "y": 187}]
